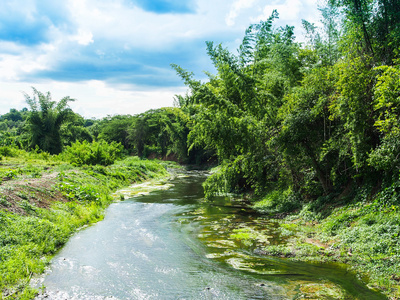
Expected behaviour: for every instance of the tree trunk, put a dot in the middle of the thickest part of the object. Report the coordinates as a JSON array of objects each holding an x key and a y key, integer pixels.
[{"x": 322, "y": 176}]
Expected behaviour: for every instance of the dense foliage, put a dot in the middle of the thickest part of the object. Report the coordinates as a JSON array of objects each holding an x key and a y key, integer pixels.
[
  {"x": 95, "y": 153},
  {"x": 311, "y": 118},
  {"x": 45, "y": 121},
  {"x": 312, "y": 129},
  {"x": 54, "y": 128}
]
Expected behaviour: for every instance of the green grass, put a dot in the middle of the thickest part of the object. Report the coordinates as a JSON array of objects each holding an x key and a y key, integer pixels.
[
  {"x": 364, "y": 235},
  {"x": 369, "y": 237},
  {"x": 29, "y": 240}
]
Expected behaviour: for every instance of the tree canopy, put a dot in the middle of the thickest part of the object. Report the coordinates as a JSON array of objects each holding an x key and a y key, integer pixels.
[
  {"x": 45, "y": 120},
  {"x": 311, "y": 117}
]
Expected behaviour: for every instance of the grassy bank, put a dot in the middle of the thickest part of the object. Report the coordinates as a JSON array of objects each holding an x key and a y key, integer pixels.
[
  {"x": 44, "y": 200},
  {"x": 359, "y": 230}
]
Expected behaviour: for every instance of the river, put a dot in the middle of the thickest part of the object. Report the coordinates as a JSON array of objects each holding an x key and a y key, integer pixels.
[{"x": 171, "y": 244}]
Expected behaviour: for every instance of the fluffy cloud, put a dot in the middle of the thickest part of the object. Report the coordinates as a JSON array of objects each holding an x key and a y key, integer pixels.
[
  {"x": 291, "y": 12},
  {"x": 123, "y": 46},
  {"x": 83, "y": 37},
  {"x": 236, "y": 8}
]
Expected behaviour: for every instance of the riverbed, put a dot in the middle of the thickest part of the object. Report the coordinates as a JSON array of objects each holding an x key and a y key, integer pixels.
[{"x": 172, "y": 244}]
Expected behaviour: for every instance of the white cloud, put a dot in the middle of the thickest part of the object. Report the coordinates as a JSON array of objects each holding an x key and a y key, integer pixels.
[
  {"x": 83, "y": 37},
  {"x": 11, "y": 96},
  {"x": 292, "y": 11},
  {"x": 114, "y": 22},
  {"x": 97, "y": 99},
  {"x": 14, "y": 66},
  {"x": 109, "y": 28},
  {"x": 236, "y": 9},
  {"x": 93, "y": 98},
  {"x": 289, "y": 10}
]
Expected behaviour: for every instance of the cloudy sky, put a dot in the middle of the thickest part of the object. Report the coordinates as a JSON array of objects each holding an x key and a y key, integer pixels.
[{"x": 114, "y": 56}]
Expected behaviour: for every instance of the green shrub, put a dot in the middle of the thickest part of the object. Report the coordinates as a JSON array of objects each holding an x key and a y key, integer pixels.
[
  {"x": 8, "y": 151},
  {"x": 225, "y": 179},
  {"x": 8, "y": 173},
  {"x": 279, "y": 201},
  {"x": 389, "y": 196},
  {"x": 94, "y": 153}
]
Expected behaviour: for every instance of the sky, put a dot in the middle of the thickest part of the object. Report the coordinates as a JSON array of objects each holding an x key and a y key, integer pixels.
[{"x": 114, "y": 56}]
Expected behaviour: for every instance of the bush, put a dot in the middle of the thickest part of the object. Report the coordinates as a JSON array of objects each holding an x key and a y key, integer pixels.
[
  {"x": 94, "y": 153},
  {"x": 279, "y": 201},
  {"x": 389, "y": 195},
  {"x": 8, "y": 151},
  {"x": 229, "y": 177}
]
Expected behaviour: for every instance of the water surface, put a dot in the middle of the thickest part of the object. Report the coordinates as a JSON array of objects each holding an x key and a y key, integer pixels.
[{"x": 171, "y": 244}]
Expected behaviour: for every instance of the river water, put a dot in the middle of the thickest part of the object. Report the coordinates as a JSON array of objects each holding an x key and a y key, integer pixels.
[{"x": 171, "y": 244}]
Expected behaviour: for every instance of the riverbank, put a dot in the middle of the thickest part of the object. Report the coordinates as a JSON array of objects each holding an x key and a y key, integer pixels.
[
  {"x": 362, "y": 235},
  {"x": 44, "y": 200}
]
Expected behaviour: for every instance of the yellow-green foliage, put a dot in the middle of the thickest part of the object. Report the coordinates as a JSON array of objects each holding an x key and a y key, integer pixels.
[
  {"x": 27, "y": 242},
  {"x": 95, "y": 153},
  {"x": 278, "y": 201}
]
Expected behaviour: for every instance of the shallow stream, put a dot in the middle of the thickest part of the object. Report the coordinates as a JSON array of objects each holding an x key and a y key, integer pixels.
[{"x": 171, "y": 244}]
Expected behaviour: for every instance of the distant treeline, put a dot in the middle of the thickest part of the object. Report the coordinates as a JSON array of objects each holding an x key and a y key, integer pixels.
[{"x": 50, "y": 127}]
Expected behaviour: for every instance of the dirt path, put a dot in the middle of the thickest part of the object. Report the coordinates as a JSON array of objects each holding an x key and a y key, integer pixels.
[{"x": 16, "y": 195}]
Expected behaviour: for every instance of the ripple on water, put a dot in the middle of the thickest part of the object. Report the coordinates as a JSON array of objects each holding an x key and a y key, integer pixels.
[
  {"x": 140, "y": 255},
  {"x": 165, "y": 270}
]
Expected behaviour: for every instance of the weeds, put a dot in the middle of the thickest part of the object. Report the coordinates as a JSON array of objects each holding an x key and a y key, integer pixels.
[
  {"x": 95, "y": 153},
  {"x": 363, "y": 233},
  {"x": 4, "y": 202},
  {"x": 278, "y": 201},
  {"x": 28, "y": 241}
]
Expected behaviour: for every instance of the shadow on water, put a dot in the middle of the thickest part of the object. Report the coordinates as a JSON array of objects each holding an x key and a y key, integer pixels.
[{"x": 171, "y": 244}]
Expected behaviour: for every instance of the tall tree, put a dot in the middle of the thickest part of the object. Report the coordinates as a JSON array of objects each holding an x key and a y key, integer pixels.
[
  {"x": 45, "y": 120},
  {"x": 372, "y": 27},
  {"x": 116, "y": 129},
  {"x": 235, "y": 112}
]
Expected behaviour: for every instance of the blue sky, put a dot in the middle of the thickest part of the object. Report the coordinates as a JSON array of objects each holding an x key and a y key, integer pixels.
[{"x": 114, "y": 56}]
